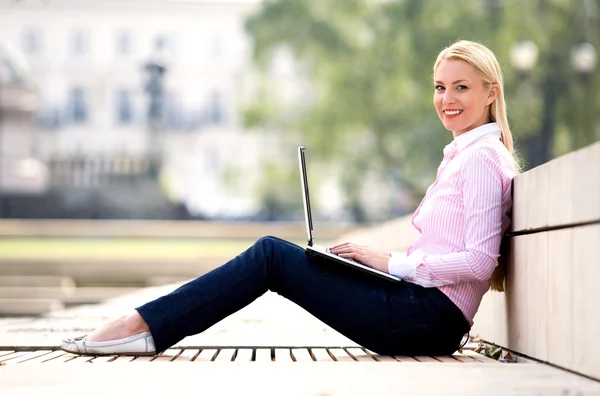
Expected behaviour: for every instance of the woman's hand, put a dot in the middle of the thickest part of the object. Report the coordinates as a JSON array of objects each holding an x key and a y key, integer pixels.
[{"x": 363, "y": 254}]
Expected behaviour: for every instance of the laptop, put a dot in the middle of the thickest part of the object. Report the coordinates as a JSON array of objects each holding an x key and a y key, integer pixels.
[{"x": 320, "y": 251}]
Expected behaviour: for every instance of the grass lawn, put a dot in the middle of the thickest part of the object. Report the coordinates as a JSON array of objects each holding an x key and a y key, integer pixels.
[{"x": 118, "y": 248}]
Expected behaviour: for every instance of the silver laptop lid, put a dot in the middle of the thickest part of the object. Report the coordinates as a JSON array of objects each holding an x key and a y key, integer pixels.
[{"x": 305, "y": 197}]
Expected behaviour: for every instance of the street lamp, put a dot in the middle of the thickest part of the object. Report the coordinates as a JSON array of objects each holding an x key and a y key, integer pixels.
[
  {"x": 583, "y": 58},
  {"x": 524, "y": 56}
]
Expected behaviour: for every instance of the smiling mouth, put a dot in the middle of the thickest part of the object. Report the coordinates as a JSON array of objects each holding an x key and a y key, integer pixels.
[{"x": 452, "y": 113}]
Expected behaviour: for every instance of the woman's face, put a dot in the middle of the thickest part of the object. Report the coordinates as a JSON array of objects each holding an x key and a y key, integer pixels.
[{"x": 461, "y": 99}]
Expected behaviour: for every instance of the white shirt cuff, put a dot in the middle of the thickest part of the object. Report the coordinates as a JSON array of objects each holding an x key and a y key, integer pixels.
[{"x": 403, "y": 266}]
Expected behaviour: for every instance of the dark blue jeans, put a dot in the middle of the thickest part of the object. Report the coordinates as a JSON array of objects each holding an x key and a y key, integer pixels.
[{"x": 385, "y": 317}]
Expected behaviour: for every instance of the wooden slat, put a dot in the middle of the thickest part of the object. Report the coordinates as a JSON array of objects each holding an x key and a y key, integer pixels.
[
  {"x": 360, "y": 355},
  {"x": 321, "y": 355},
  {"x": 384, "y": 358},
  {"x": 243, "y": 355},
  {"x": 206, "y": 355},
  {"x": 341, "y": 355},
  {"x": 124, "y": 359},
  {"x": 3, "y": 353},
  {"x": 425, "y": 359},
  {"x": 187, "y": 355},
  {"x": 81, "y": 359},
  {"x": 141, "y": 359},
  {"x": 445, "y": 359},
  {"x": 12, "y": 356},
  {"x": 283, "y": 355},
  {"x": 405, "y": 359},
  {"x": 168, "y": 355},
  {"x": 63, "y": 358},
  {"x": 104, "y": 359},
  {"x": 225, "y": 355},
  {"x": 301, "y": 355},
  {"x": 51, "y": 356},
  {"x": 263, "y": 355},
  {"x": 29, "y": 356}
]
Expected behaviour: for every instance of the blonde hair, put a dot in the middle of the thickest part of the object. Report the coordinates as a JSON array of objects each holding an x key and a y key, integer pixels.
[{"x": 487, "y": 67}]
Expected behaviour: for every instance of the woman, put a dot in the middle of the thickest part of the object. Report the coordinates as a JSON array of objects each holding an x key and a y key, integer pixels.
[{"x": 446, "y": 271}]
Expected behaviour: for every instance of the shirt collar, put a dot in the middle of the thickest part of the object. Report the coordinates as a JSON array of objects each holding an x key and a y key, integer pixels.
[{"x": 464, "y": 140}]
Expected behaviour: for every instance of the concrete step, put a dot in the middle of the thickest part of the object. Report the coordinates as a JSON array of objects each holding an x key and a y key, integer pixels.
[
  {"x": 28, "y": 306},
  {"x": 67, "y": 295},
  {"x": 35, "y": 281}
]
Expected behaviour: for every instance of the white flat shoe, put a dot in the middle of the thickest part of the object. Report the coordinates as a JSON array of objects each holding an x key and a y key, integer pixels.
[{"x": 137, "y": 345}]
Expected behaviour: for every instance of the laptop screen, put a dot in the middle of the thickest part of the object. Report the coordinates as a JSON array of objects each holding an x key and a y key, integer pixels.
[{"x": 305, "y": 197}]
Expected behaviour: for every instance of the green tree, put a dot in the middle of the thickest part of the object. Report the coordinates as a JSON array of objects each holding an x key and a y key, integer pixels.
[{"x": 368, "y": 68}]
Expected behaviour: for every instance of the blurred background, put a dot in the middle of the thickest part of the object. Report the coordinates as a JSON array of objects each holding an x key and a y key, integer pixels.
[{"x": 144, "y": 137}]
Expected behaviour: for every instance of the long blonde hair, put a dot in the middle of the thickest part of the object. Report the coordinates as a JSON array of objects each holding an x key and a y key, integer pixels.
[{"x": 488, "y": 68}]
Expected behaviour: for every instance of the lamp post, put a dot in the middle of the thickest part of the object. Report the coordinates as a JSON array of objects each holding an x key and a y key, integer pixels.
[
  {"x": 583, "y": 61},
  {"x": 156, "y": 71},
  {"x": 524, "y": 57}
]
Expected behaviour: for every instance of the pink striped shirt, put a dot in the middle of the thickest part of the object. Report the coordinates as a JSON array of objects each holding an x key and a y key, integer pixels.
[{"x": 461, "y": 220}]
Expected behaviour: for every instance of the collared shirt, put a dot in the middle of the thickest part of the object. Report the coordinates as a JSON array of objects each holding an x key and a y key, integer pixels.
[{"x": 461, "y": 220}]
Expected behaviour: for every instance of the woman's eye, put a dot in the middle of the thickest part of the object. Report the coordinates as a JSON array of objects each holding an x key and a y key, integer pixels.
[
  {"x": 462, "y": 87},
  {"x": 439, "y": 87}
]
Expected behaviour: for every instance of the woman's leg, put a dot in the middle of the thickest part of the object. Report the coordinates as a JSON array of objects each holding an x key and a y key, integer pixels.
[{"x": 384, "y": 316}]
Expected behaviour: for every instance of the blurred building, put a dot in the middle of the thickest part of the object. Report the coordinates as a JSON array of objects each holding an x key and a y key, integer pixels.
[
  {"x": 20, "y": 171},
  {"x": 88, "y": 60}
]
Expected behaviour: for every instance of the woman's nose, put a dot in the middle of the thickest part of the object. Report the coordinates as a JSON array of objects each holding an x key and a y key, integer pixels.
[{"x": 448, "y": 97}]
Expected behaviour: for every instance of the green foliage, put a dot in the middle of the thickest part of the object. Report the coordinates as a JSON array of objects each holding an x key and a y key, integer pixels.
[{"x": 368, "y": 71}]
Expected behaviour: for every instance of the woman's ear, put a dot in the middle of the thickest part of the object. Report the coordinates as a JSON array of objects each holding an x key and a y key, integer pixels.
[{"x": 493, "y": 94}]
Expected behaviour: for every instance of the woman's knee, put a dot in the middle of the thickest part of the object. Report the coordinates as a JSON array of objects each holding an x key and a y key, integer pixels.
[{"x": 271, "y": 243}]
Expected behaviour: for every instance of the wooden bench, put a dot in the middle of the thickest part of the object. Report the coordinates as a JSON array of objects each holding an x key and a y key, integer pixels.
[{"x": 271, "y": 347}]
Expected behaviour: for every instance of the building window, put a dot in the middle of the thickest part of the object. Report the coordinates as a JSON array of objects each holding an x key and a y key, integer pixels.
[
  {"x": 80, "y": 42},
  {"x": 215, "y": 113},
  {"x": 124, "y": 107},
  {"x": 123, "y": 43},
  {"x": 32, "y": 41},
  {"x": 172, "y": 114},
  {"x": 78, "y": 106},
  {"x": 164, "y": 45}
]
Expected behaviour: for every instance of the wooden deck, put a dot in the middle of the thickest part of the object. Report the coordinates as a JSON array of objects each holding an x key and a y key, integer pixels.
[{"x": 271, "y": 347}]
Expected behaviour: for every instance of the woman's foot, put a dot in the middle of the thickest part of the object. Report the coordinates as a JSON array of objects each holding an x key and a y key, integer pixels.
[
  {"x": 123, "y": 327},
  {"x": 128, "y": 335}
]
